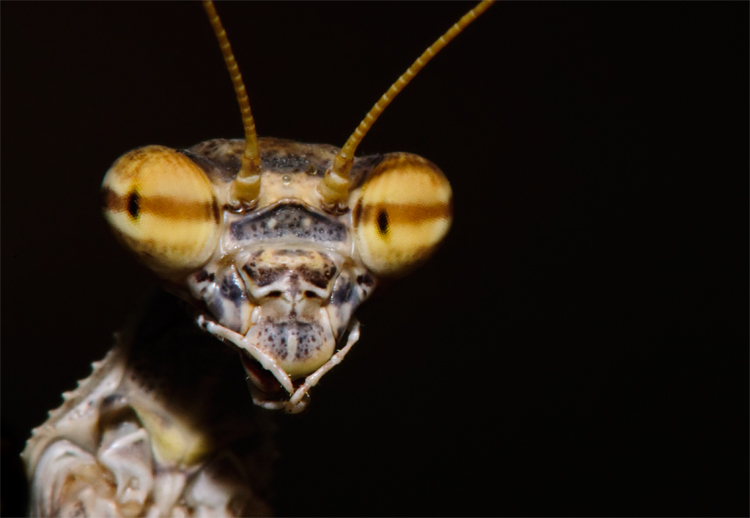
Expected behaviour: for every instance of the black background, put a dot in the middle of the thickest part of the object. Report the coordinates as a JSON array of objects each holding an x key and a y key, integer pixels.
[{"x": 579, "y": 346}]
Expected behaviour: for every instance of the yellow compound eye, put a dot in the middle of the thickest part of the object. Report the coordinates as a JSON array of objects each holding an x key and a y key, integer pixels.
[
  {"x": 403, "y": 213},
  {"x": 163, "y": 207}
]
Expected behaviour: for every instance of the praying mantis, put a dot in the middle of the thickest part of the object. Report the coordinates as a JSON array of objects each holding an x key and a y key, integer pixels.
[
  {"x": 539, "y": 344},
  {"x": 135, "y": 203}
]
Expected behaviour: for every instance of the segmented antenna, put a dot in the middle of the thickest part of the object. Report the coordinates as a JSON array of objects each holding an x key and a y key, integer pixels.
[
  {"x": 335, "y": 185},
  {"x": 246, "y": 186}
]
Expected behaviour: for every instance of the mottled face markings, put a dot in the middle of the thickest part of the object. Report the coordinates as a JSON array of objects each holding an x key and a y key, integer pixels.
[
  {"x": 263, "y": 276},
  {"x": 134, "y": 204},
  {"x": 231, "y": 289},
  {"x": 291, "y": 341},
  {"x": 203, "y": 276},
  {"x": 288, "y": 222},
  {"x": 307, "y": 265},
  {"x": 317, "y": 277},
  {"x": 292, "y": 289}
]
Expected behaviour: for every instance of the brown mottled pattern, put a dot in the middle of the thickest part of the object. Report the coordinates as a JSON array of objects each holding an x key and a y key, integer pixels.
[
  {"x": 165, "y": 207},
  {"x": 220, "y": 158},
  {"x": 319, "y": 277},
  {"x": 264, "y": 276}
]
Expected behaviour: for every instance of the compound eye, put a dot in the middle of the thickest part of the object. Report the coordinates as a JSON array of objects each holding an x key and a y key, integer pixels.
[
  {"x": 162, "y": 206},
  {"x": 403, "y": 212}
]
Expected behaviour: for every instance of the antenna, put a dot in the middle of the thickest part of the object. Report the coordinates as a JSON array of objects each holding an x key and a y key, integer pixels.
[
  {"x": 246, "y": 186},
  {"x": 335, "y": 185}
]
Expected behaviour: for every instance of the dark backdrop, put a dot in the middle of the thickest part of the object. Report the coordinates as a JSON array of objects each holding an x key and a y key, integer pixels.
[{"x": 580, "y": 344}]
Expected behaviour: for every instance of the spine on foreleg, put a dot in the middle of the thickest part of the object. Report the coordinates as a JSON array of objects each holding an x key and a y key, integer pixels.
[{"x": 163, "y": 426}]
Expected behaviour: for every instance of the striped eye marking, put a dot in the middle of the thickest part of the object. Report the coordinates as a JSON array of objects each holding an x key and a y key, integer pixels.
[
  {"x": 162, "y": 206},
  {"x": 402, "y": 213}
]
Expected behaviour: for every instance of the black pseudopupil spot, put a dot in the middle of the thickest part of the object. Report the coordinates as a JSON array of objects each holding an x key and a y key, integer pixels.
[
  {"x": 133, "y": 204},
  {"x": 382, "y": 221}
]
